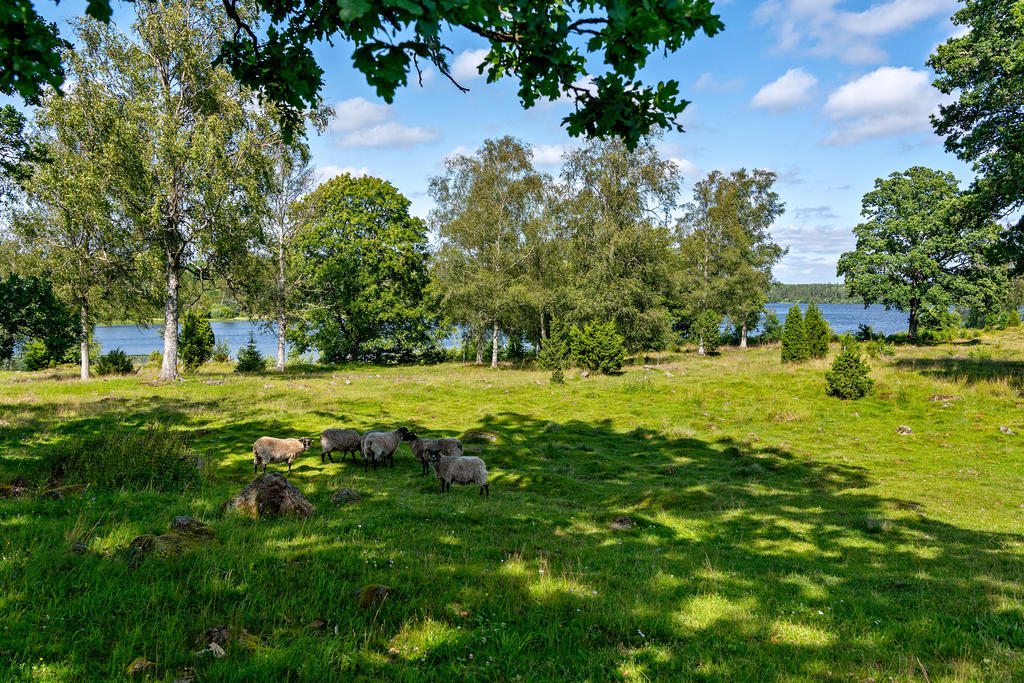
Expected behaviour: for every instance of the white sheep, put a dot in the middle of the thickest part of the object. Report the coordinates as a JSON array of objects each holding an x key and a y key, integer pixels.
[
  {"x": 422, "y": 448},
  {"x": 382, "y": 446},
  {"x": 466, "y": 469},
  {"x": 267, "y": 449},
  {"x": 344, "y": 441}
]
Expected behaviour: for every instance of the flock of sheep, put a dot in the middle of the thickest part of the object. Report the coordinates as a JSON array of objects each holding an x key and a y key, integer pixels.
[{"x": 450, "y": 465}]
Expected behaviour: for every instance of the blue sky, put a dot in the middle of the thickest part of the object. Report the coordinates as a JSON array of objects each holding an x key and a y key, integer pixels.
[{"x": 830, "y": 94}]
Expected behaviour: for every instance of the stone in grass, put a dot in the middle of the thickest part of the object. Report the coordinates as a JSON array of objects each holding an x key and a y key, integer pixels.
[
  {"x": 140, "y": 666},
  {"x": 62, "y": 492},
  {"x": 218, "y": 638},
  {"x": 622, "y": 522},
  {"x": 904, "y": 430},
  {"x": 874, "y": 525},
  {"x": 345, "y": 496},
  {"x": 270, "y": 495},
  {"x": 372, "y": 596},
  {"x": 187, "y": 533},
  {"x": 1007, "y": 431}
]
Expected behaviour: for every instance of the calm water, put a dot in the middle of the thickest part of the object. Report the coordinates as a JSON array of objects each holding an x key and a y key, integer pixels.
[{"x": 139, "y": 341}]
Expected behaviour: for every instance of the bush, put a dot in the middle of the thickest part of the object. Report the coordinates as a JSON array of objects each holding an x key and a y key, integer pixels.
[
  {"x": 794, "y": 338},
  {"x": 598, "y": 347},
  {"x": 848, "y": 377},
  {"x": 35, "y": 356},
  {"x": 221, "y": 352},
  {"x": 250, "y": 359},
  {"x": 866, "y": 333},
  {"x": 154, "y": 458},
  {"x": 934, "y": 318},
  {"x": 155, "y": 357},
  {"x": 1013, "y": 318},
  {"x": 707, "y": 329},
  {"x": 557, "y": 376},
  {"x": 772, "y": 329},
  {"x": 195, "y": 345},
  {"x": 818, "y": 332},
  {"x": 556, "y": 352},
  {"x": 117, "y": 362},
  {"x": 879, "y": 347}
]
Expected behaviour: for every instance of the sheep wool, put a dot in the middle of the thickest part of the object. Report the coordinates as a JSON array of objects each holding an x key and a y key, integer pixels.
[
  {"x": 422, "y": 448},
  {"x": 343, "y": 441},
  {"x": 382, "y": 446},
  {"x": 267, "y": 450},
  {"x": 460, "y": 470}
]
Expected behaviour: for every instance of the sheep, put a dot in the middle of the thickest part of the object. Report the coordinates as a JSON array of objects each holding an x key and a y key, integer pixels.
[
  {"x": 382, "y": 445},
  {"x": 422, "y": 448},
  {"x": 465, "y": 469},
  {"x": 267, "y": 449},
  {"x": 344, "y": 441}
]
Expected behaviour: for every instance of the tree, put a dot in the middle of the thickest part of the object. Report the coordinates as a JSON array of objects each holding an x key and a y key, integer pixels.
[
  {"x": 546, "y": 46},
  {"x": 365, "y": 260},
  {"x": 196, "y": 340},
  {"x": 983, "y": 68},
  {"x": 794, "y": 338},
  {"x": 726, "y": 251},
  {"x": 817, "y": 331},
  {"x": 18, "y": 151},
  {"x": 848, "y": 376},
  {"x": 598, "y": 347},
  {"x": 484, "y": 205},
  {"x": 616, "y": 208},
  {"x": 30, "y": 310},
  {"x": 192, "y": 150},
  {"x": 920, "y": 246}
]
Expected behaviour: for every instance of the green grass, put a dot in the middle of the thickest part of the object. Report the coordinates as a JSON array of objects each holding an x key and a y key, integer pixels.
[{"x": 778, "y": 534}]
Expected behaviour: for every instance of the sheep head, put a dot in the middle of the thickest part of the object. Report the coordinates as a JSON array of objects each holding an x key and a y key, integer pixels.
[
  {"x": 406, "y": 434},
  {"x": 305, "y": 441}
]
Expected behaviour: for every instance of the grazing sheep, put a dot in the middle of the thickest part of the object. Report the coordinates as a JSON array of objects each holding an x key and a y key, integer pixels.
[
  {"x": 382, "y": 446},
  {"x": 267, "y": 449},
  {"x": 466, "y": 469},
  {"x": 422, "y": 448},
  {"x": 344, "y": 441}
]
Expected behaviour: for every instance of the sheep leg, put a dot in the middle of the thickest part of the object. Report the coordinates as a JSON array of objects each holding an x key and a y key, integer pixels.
[
  {"x": 424, "y": 470},
  {"x": 289, "y": 467},
  {"x": 255, "y": 466}
]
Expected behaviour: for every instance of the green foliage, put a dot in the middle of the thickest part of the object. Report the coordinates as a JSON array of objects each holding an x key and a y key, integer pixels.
[
  {"x": 35, "y": 357},
  {"x": 598, "y": 347},
  {"x": 250, "y": 360},
  {"x": 981, "y": 67},
  {"x": 848, "y": 376},
  {"x": 825, "y": 293},
  {"x": 155, "y": 357},
  {"x": 557, "y": 376},
  {"x": 920, "y": 245},
  {"x": 867, "y": 333},
  {"x": 771, "y": 328},
  {"x": 556, "y": 354},
  {"x": 817, "y": 331},
  {"x": 365, "y": 264},
  {"x": 30, "y": 51},
  {"x": 706, "y": 331},
  {"x": 1013, "y": 318},
  {"x": 878, "y": 347},
  {"x": 17, "y": 150},
  {"x": 195, "y": 344},
  {"x": 115, "y": 362},
  {"x": 938, "y": 318},
  {"x": 221, "y": 352},
  {"x": 154, "y": 458},
  {"x": 29, "y": 310},
  {"x": 794, "y": 338}
]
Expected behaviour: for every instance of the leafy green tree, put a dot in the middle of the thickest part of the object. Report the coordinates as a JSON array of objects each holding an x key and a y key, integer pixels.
[
  {"x": 30, "y": 310},
  {"x": 484, "y": 205},
  {"x": 598, "y": 347},
  {"x": 557, "y": 352},
  {"x": 18, "y": 151},
  {"x": 196, "y": 342},
  {"x": 30, "y": 49},
  {"x": 794, "y": 338},
  {"x": 772, "y": 329},
  {"x": 983, "y": 68},
  {"x": 707, "y": 330},
  {"x": 920, "y": 246},
  {"x": 817, "y": 331},
  {"x": 365, "y": 260},
  {"x": 616, "y": 207},
  {"x": 848, "y": 376}
]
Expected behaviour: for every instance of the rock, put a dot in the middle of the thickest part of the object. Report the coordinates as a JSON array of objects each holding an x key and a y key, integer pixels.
[
  {"x": 4, "y": 423},
  {"x": 904, "y": 430},
  {"x": 585, "y": 373},
  {"x": 945, "y": 398},
  {"x": 80, "y": 548},
  {"x": 213, "y": 382},
  {"x": 317, "y": 624},
  {"x": 11, "y": 491},
  {"x": 140, "y": 666},
  {"x": 270, "y": 494},
  {"x": 187, "y": 533},
  {"x": 348, "y": 381},
  {"x": 622, "y": 522},
  {"x": 62, "y": 492},
  {"x": 345, "y": 496},
  {"x": 479, "y": 435},
  {"x": 669, "y": 374},
  {"x": 1007, "y": 431},
  {"x": 219, "y": 638},
  {"x": 372, "y": 595},
  {"x": 217, "y": 650}
]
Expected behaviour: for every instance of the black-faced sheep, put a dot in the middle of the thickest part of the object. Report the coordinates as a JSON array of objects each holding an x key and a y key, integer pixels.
[
  {"x": 344, "y": 441},
  {"x": 460, "y": 470},
  {"x": 267, "y": 449},
  {"x": 382, "y": 446},
  {"x": 422, "y": 448}
]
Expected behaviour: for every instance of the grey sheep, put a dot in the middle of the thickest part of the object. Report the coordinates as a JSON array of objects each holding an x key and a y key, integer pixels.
[
  {"x": 422, "y": 448},
  {"x": 466, "y": 469},
  {"x": 267, "y": 449},
  {"x": 382, "y": 446},
  {"x": 344, "y": 441}
]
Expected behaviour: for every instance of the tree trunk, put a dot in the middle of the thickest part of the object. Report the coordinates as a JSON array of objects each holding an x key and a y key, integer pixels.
[
  {"x": 169, "y": 366},
  {"x": 543, "y": 332},
  {"x": 282, "y": 323},
  {"x": 700, "y": 346},
  {"x": 480, "y": 347},
  {"x": 743, "y": 336},
  {"x": 494, "y": 346},
  {"x": 912, "y": 332},
  {"x": 282, "y": 327},
  {"x": 83, "y": 332}
]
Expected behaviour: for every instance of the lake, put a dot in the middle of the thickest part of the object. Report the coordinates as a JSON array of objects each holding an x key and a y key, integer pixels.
[{"x": 140, "y": 341}]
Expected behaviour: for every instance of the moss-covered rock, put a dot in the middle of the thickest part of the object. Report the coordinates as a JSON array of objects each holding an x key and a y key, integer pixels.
[
  {"x": 270, "y": 495},
  {"x": 187, "y": 533}
]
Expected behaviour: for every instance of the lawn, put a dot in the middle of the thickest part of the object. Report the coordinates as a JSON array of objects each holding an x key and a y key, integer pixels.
[{"x": 705, "y": 519}]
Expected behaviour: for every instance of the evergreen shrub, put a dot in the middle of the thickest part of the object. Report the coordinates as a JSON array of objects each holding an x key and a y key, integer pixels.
[
  {"x": 598, "y": 347},
  {"x": 848, "y": 377},
  {"x": 794, "y": 338},
  {"x": 818, "y": 332},
  {"x": 195, "y": 345},
  {"x": 250, "y": 360},
  {"x": 117, "y": 362}
]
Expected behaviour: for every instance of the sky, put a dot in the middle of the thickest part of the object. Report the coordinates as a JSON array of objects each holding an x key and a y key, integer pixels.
[{"x": 829, "y": 94}]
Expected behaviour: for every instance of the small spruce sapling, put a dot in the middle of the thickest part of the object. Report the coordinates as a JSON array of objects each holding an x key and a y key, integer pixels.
[
  {"x": 598, "y": 347},
  {"x": 250, "y": 359},
  {"x": 794, "y": 338},
  {"x": 195, "y": 345},
  {"x": 818, "y": 332},
  {"x": 848, "y": 377}
]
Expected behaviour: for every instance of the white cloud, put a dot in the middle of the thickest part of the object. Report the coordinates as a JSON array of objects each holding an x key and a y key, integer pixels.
[
  {"x": 823, "y": 28},
  {"x": 390, "y": 134},
  {"x": 457, "y": 151},
  {"x": 464, "y": 68},
  {"x": 708, "y": 82},
  {"x": 548, "y": 155},
  {"x": 325, "y": 173},
  {"x": 358, "y": 113},
  {"x": 689, "y": 169},
  {"x": 884, "y": 103},
  {"x": 786, "y": 92}
]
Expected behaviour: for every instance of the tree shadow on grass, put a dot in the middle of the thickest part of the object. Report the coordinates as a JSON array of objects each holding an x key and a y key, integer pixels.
[{"x": 970, "y": 370}]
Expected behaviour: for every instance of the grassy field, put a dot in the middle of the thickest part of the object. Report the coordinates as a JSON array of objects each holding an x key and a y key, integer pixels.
[{"x": 724, "y": 520}]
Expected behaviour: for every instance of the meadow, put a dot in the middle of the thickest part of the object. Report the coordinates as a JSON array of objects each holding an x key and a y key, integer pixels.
[{"x": 701, "y": 519}]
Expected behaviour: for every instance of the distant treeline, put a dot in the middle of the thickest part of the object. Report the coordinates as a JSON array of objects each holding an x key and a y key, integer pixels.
[{"x": 821, "y": 293}]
